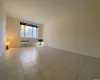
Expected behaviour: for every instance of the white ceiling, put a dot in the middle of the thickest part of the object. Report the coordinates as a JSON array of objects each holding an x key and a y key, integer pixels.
[{"x": 39, "y": 11}]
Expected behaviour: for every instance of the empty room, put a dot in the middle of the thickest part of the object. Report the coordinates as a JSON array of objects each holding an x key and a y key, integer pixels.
[{"x": 49, "y": 39}]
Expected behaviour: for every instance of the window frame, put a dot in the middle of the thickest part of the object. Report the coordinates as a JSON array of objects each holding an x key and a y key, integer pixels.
[{"x": 30, "y": 25}]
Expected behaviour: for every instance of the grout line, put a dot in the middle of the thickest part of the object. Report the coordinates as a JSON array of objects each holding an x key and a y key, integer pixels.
[
  {"x": 27, "y": 69},
  {"x": 2, "y": 58},
  {"x": 22, "y": 72},
  {"x": 5, "y": 64},
  {"x": 5, "y": 68},
  {"x": 80, "y": 69},
  {"x": 39, "y": 70}
]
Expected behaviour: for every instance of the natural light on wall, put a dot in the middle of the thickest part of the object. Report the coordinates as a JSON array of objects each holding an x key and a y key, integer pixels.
[{"x": 27, "y": 31}]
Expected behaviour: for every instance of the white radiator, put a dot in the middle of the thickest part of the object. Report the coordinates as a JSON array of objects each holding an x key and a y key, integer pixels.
[{"x": 24, "y": 43}]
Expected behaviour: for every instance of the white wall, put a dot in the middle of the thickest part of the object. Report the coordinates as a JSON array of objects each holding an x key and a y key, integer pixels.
[
  {"x": 78, "y": 31},
  {"x": 13, "y": 31},
  {"x": 2, "y": 27}
]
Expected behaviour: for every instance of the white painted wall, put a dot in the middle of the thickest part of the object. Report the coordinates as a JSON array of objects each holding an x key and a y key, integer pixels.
[
  {"x": 2, "y": 27},
  {"x": 13, "y": 32},
  {"x": 78, "y": 31}
]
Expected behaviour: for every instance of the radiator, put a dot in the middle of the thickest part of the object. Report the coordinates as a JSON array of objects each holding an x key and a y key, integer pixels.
[{"x": 25, "y": 43}]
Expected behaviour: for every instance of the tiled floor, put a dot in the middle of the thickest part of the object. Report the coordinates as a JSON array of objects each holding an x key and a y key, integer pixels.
[{"x": 45, "y": 63}]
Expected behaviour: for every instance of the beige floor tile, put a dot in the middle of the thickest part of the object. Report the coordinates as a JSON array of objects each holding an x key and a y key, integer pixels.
[
  {"x": 14, "y": 69},
  {"x": 27, "y": 66},
  {"x": 90, "y": 70},
  {"x": 33, "y": 74},
  {"x": 15, "y": 77},
  {"x": 46, "y": 63},
  {"x": 3, "y": 75}
]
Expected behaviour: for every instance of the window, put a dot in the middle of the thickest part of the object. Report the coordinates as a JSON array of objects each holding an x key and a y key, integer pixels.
[{"x": 28, "y": 31}]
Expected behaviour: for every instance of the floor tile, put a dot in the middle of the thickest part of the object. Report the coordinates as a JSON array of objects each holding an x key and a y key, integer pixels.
[
  {"x": 33, "y": 74},
  {"x": 46, "y": 63},
  {"x": 15, "y": 77},
  {"x": 27, "y": 66},
  {"x": 90, "y": 70}
]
